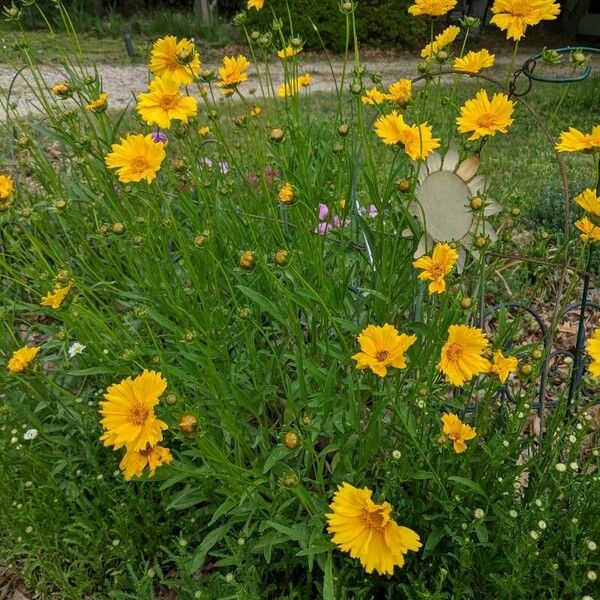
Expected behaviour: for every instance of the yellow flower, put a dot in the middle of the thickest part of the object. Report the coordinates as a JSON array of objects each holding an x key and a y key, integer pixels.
[
  {"x": 62, "y": 90},
  {"x": 382, "y": 347},
  {"x": 288, "y": 52},
  {"x": 99, "y": 104},
  {"x": 593, "y": 349},
  {"x": 514, "y": 16},
  {"x": 367, "y": 530},
  {"x": 7, "y": 187},
  {"x": 164, "y": 102},
  {"x": 503, "y": 365},
  {"x": 436, "y": 267},
  {"x": 589, "y": 201},
  {"x": 255, "y": 112},
  {"x": 203, "y": 131},
  {"x": 135, "y": 461},
  {"x": 484, "y": 117},
  {"x": 400, "y": 92},
  {"x": 21, "y": 358},
  {"x": 128, "y": 412},
  {"x": 233, "y": 71},
  {"x": 178, "y": 58},
  {"x": 286, "y": 194},
  {"x": 461, "y": 356},
  {"x": 473, "y": 62},
  {"x": 574, "y": 140},
  {"x": 256, "y": 4},
  {"x": 55, "y": 298},
  {"x": 416, "y": 139},
  {"x": 373, "y": 97},
  {"x": 291, "y": 89},
  {"x": 589, "y": 231},
  {"x": 457, "y": 431},
  {"x": 137, "y": 157},
  {"x": 432, "y": 8},
  {"x": 441, "y": 40}
]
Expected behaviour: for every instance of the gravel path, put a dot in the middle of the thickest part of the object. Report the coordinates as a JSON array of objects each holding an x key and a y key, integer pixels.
[{"x": 123, "y": 82}]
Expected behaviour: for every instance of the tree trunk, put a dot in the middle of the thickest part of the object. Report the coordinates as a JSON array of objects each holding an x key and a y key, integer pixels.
[{"x": 202, "y": 9}]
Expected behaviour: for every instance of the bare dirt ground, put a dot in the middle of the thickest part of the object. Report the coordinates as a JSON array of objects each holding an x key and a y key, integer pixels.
[{"x": 122, "y": 82}]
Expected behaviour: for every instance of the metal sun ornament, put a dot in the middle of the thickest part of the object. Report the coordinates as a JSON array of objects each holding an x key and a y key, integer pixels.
[{"x": 442, "y": 204}]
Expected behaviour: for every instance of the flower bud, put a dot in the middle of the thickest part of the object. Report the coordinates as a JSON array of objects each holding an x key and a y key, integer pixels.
[
  {"x": 376, "y": 77},
  {"x": 291, "y": 440},
  {"x": 277, "y": 135},
  {"x": 188, "y": 424},
  {"x": 240, "y": 19},
  {"x": 118, "y": 228},
  {"x": 356, "y": 88},
  {"x": 403, "y": 185},
  {"x": 343, "y": 129},
  {"x": 476, "y": 203},
  {"x": 470, "y": 22},
  {"x": 281, "y": 257},
  {"x": 346, "y": 7},
  {"x": 526, "y": 369},
  {"x": 185, "y": 56},
  {"x": 551, "y": 57},
  {"x": 247, "y": 260},
  {"x": 466, "y": 303},
  {"x": 199, "y": 240},
  {"x": 480, "y": 241},
  {"x": 289, "y": 480},
  {"x": 515, "y": 212},
  {"x": 138, "y": 240},
  {"x": 442, "y": 56},
  {"x": 536, "y": 354}
]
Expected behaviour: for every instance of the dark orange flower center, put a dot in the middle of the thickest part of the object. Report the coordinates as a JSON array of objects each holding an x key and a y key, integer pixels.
[
  {"x": 138, "y": 414},
  {"x": 437, "y": 270},
  {"x": 454, "y": 351},
  {"x": 147, "y": 451},
  {"x": 139, "y": 164},
  {"x": 382, "y": 355},
  {"x": 487, "y": 120},
  {"x": 373, "y": 518},
  {"x": 169, "y": 101}
]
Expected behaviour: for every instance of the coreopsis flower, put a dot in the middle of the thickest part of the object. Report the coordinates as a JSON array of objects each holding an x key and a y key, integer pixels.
[
  {"x": 99, "y": 104},
  {"x": 164, "y": 102},
  {"x": 367, "y": 531},
  {"x": 288, "y": 52},
  {"x": 481, "y": 116},
  {"x": 574, "y": 140},
  {"x": 135, "y": 461},
  {"x": 7, "y": 187},
  {"x": 457, "y": 431},
  {"x": 137, "y": 157},
  {"x": 589, "y": 231},
  {"x": 437, "y": 266},
  {"x": 256, "y": 4},
  {"x": 62, "y": 90},
  {"x": 178, "y": 58},
  {"x": 382, "y": 347},
  {"x": 592, "y": 347},
  {"x": 291, "y": 88},
  {"x": 417, "y": 140},
  {"x": 514, "y": 16},
  {"x": 128, "y": 412},
  {"x": 462, "y": 356},
  {"x": 400, "y": 92},
  {"x": 255, "y": 112},
  {"x": 589, "y": 201},
  {"x": 286, "y": 194},
  {"x": 441, "y": 40},
  {"x": 502, "y": 365},
  {"x": 203, "y": 131},
  {"x": 233, "y": 72},
  {"x": 55, "y": 298},
  {"x": 22, "y": 358},
  {"x": 431, "y": 8},
  {"x": 473, "y": 62},
  {"x": 373, "y": 97}
]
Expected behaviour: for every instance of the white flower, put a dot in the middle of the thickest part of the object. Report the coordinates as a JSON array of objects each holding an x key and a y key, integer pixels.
[
  {"x": 542, "y": 525},
  {"x": 538, "y": 503},
  {"x": 28, "y": 529},
  {"x": 534, "y": 535},
  {"x": 478, "y": 513},
  {"x": 396, "y": 454},
  {"x": 591, "y": 545},
  {"x": 505, "y": 443},
  {"x": 574, "y": 466},
  {"x": 30, "y": 434},
  {"x": 513, "y": 513},
  {"x": 592, "y": 576},
  {"x": 75, "y": 348},
  {"x": 14, "y": 440},
  {"x": 572, "y": 439},
  {"x": 560, "y": 467}
]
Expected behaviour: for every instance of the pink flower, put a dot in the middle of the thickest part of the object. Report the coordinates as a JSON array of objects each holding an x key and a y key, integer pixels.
[{"x": 323, "y": 212}]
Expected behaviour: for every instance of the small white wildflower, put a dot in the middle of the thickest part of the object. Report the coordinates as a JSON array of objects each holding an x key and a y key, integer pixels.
[
  {"x": 30, "y": 434},
  {"x": 587, "y": 598},
  {"x": 14, "y": 440},
  {"x": 574, "y": 520},
  {"x": 229, "y": 577},
  {"x": 542, "y": 525},
  {"x": 150, "y": 572},
  {"x": 478, "y": 513},
  {"x": 241, "y": 541},
  {"x": 464, "y": 525},
  {"x": 116, "y": 542},
  {"x": 574, "y": 466},
  {"x": 572, "y": 439},
  {"x": 534, "y": 535},
  {"x": 75, "y": 348},
  {"x": 28, "y": 529},
  {"x": 396, "y": 454},
  {"x": 538, "y": 503},
  {"x": 14, "y": 503},
  {"x": 500, "y": 480},
  {"x": 14, "y": 431},
  {"x": 579, "y": 426},
  {"x": 513, "y": 513},
  {"x": 555, "y": 566},
  {"x": 587, "y": 417},
  {"x": 591, "y": 545},
  {"x": 517, "y": 485},
  {"x": 596, "y": 452},
  {"x": 420, "y": 403},
  {"x": 505, "y": 443},
  {"x": 592, "y": 576},
  {"x": 19, "y": 506},
  {"x": 99, "y": 476},
  {"x": 505, "y": 493},
  {"x": 28, "y": 483},
  {"x": 105, "y": 351},
  {"x": 78, "y": 472},
  {"x": 19, "y": 539},
  {"x": 526, "y": 406},
  {"x": 560, "y": 467},
  {"x": 520, "y": 415},
  {"x": 183, "y": 543}
]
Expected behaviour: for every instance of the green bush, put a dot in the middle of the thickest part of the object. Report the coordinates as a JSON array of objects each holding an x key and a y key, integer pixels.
[{"x": 381, "y": 23}]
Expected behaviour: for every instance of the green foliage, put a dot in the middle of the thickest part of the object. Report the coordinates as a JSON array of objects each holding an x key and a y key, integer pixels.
[{"x": 385, "y": 23}]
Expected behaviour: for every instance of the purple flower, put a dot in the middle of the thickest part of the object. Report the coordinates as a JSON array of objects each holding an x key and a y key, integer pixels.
[
  {"x": 372, "y": 211},
  {"x": 207, "y": 162},
  {"x": 224, "y": 167},
  {"x": 323, "y": 212},
  {"x": 159, "y": 137}
]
